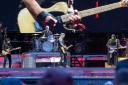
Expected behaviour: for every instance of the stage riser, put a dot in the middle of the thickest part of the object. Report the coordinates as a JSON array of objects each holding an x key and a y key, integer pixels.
[{"x": 44, "y": 59}]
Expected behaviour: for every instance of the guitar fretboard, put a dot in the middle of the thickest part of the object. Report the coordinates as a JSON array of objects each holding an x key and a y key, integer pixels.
[
  {"x": 92, "y": 11},
  {"x": 101, "y": 9}
]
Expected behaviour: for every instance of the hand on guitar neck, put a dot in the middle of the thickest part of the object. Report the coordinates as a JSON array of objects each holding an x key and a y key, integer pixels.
[
  {"x": 68, "y": 47},
  {"x": 65, "y": 48}
]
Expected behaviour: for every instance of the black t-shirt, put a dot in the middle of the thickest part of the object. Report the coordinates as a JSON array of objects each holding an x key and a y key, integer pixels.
[{"x": 7, "y": 46}]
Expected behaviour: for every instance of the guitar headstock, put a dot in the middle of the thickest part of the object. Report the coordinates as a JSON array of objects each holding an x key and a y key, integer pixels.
[{"x": 124, "y": 3}]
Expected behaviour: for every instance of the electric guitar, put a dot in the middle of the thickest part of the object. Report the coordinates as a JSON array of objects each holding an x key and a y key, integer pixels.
[
  {"x": 64, "y": 50},
  {"x": 26, "y": 20},
  {"x": 7, "y": 51},
  {"x": 113, "y": 49}
]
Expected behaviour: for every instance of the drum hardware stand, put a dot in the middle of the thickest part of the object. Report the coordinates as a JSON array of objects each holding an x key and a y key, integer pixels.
[
  {"x": 117, "y": 55},
  {"x": 5, "y": 37},
  {"x": 19, "y": 55},
  {"x": 56, "y": 43},
  {"x": 36, "y": 43},
  {"x": 54, "y": 64}
]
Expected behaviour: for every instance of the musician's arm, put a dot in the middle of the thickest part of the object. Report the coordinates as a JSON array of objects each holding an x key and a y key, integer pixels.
[
  {"x": 39, "y": 13},
  {"x": 62, "y": 45},
  {"x": 33, "y": 7},
  {"x": 43, "y": 34},
  {"x": 108, "y": 43}
]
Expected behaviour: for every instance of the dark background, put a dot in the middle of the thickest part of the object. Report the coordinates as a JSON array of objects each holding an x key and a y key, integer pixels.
[
  {"x": 83, "y": 43},
  {"x": 113, "y": 21}
]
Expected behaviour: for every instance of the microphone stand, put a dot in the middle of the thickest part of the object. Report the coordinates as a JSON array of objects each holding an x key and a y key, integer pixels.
[
  {"x": 5, "y": 37},
  {"x": 117, "y": 55}
]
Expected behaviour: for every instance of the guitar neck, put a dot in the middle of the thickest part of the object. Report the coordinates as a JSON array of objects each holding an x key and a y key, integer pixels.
[
  {"x": 101, "y": 9},
  {"x": 69, "y": 46},
  {"x": 14, "y": 49},
  {"x": 93, "y": 11}
]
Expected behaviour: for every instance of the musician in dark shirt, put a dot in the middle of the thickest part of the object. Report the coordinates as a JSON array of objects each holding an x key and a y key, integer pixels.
[
  {"x": 47, "y": 32},
  {"x": 65, "y": 60},
  {"x": 6, "y": 53},
  {"x": 1, "y": 32},
  {"x": 113, "y": 44}
]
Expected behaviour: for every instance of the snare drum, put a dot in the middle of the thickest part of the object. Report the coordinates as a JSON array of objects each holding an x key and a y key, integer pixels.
[{"x": 47, "y": 46}]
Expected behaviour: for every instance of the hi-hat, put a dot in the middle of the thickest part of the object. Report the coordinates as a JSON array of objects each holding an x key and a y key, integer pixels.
[
  {"x": 57, "y": 34},
  {"x": 35, "y": 34},
  {"x": 43, "y": 37}
]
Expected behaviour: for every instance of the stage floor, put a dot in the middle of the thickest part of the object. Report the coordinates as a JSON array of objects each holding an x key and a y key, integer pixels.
[{"x": 76, "y": 72}]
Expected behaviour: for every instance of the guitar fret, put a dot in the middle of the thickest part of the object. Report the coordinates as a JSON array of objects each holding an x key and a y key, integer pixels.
[{"x": 101, "y": 9}]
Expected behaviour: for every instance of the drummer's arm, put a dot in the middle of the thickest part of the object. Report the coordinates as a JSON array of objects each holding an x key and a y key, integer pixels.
[{"x": 43, "y": 33}]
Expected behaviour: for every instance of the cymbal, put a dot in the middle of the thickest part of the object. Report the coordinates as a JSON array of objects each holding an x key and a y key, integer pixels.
[
  {"x": 43, "y": 37},
  {"x": 35, "y": 34},
  {"x": 57, "y": 34}
]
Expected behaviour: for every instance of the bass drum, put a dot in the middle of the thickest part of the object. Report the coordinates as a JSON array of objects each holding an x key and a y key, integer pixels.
[
  {"x": 47, "y": 46},
  {"x": 51, "y": 38}
]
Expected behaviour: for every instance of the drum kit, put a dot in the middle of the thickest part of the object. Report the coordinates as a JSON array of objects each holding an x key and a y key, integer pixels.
[{"x": 46, "y": 44}]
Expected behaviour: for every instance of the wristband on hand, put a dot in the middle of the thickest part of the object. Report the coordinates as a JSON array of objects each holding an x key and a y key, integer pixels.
[
  {"x": 42, "y": 16},
  {"x": 45, "y": 14}
]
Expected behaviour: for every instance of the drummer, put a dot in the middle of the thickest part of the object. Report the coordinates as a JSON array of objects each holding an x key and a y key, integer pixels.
[{"x": 46, "y": 33}]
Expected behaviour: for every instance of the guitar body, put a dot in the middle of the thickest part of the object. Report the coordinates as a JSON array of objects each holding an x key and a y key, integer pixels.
[
  {"x": 4, "y": 53},
  {"x": 26, "y": 20},
  {"x": 8, "y": 51},
  {"x": 63, "y": 50},
  {"x": 112, "y": 49}
]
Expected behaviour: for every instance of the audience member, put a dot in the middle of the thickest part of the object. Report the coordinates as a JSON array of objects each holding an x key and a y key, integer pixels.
[
  {"x": 109, "y": 83},
  {"x": 121, "y": 73},
  {"x": 56, "y": 77},
  {"x": 121, "y": 77},
  {"x": 11, "y": 81}
]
